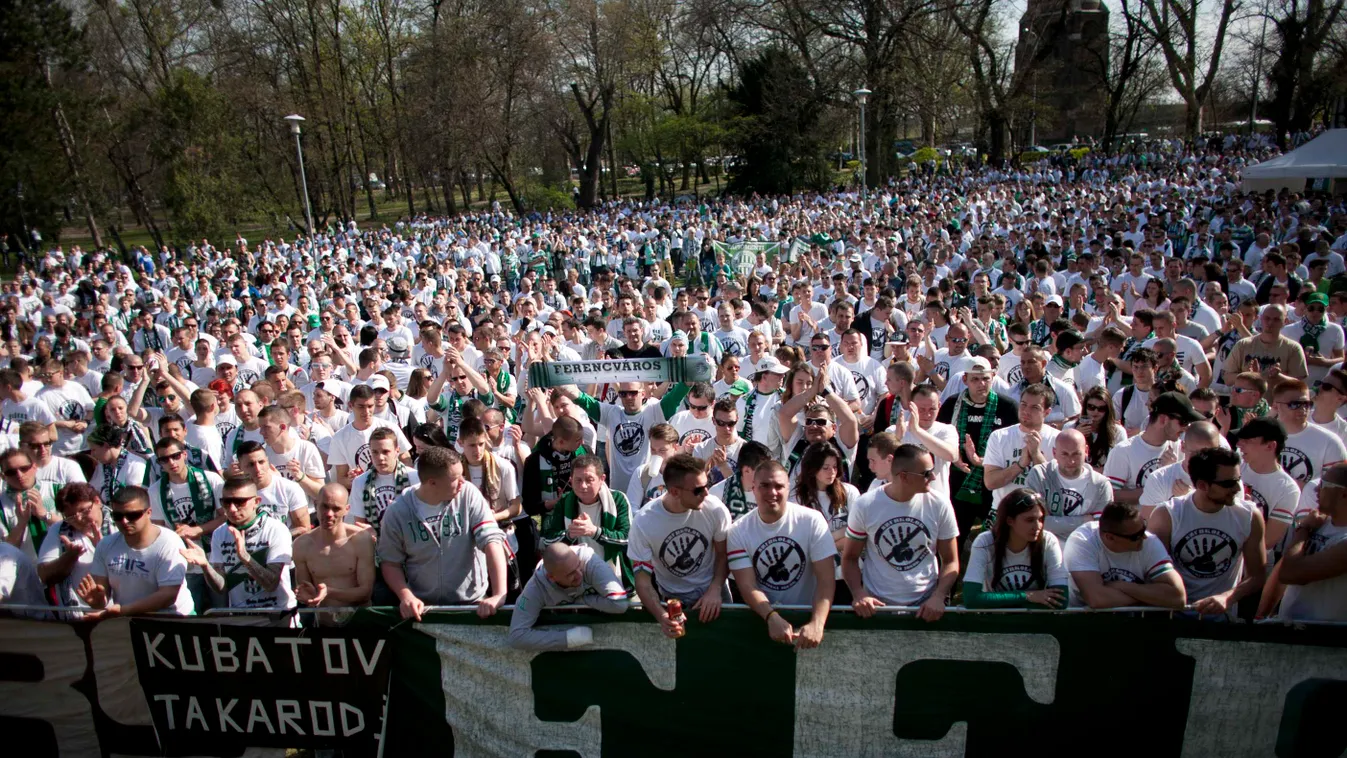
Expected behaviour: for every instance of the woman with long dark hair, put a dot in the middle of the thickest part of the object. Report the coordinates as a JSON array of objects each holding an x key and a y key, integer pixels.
[
  {"x": 818, "y": 485},
  {"x": 1099, "y": 423},
  {"x": 1017, "y": 563}
]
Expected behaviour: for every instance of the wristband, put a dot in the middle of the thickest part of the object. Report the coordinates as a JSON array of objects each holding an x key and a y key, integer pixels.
[{"x": 773, "y": 612}]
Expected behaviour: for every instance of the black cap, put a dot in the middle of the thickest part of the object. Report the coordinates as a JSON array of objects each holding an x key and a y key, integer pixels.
[{"x": 1177, "y": 405}]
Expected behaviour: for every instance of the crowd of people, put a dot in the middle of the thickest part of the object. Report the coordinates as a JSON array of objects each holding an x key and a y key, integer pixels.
[{"x": 1112, "y": 384}]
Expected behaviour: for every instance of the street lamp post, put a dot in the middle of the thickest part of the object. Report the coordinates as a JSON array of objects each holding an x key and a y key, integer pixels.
[
  {"x": 862, "y": 95},
  {"x": 295, "y": 120}
]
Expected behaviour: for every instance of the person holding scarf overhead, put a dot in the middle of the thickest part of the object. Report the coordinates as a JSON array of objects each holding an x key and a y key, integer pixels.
[
  {"x": 975, "y": 413},
  {"x": 1321, "y": 339}
]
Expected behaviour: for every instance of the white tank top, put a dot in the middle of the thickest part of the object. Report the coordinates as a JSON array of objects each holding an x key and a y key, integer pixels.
[{"x": 1208, "y": 547}]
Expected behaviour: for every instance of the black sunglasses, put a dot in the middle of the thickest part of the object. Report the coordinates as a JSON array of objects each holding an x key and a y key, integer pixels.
[
  {"x": 129, "y": 515},
  {"x": 1136, "y": 536}
]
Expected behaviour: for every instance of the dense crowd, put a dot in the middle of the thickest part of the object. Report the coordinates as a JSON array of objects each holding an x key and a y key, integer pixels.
[{"x": 1110, "y": 383}]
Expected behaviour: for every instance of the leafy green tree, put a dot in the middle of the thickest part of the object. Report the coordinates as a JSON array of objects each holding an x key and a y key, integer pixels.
[{"x": 777, "y": 128}]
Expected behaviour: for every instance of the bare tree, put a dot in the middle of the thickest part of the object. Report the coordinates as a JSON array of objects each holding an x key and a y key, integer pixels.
[{"x": 1191, "y": 58}]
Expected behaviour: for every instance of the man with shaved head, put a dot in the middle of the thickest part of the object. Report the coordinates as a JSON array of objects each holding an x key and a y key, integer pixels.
[
  {"x": 334, "y": 563},
  {"x": 1172, "y": 480},
  {"x": 568, "y": 574},
  {"x": 1074, "y": 492}
]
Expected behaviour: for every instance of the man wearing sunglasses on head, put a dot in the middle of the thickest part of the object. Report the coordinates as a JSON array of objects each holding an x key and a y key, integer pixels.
[
  {"x": 1115, "y": 563},
  {"x": 1215, "y": 538},
  {"x": 138, "y": 570}
]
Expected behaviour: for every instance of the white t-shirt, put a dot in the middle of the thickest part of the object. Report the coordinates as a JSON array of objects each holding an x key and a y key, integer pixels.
[
  {"x": 901, "y": 565},
  {"x": 1310, "y": 451},
  {"x": 1187, "y": 351},
  {"x": 28, "y": 409},
  {"x": 1090, "y": 374},
  {"x": 136, "y": 574},
  {"x": 52, "y": 549},
  {"x": 678, "y": 548},
  {"x": 868, "y": 374},
  {"x": 1003, "y": 449},
  {"x": 507, "y": 490},
  {"x": 132, "y": 471},
  {"x": 282, "y": 498},
  {"x": 310, "y": 462},
  {"x": 1330, "y": 340},
  {"x": 1085, "y": 551},
  {"x": 180, "y": 500},
  {"x": 268, "y": 542},
  {"x": 1132, "y": 460},
  {"x": 1276, "y": 494},
  {"x": 208, "y": 440},
  {"x": 1016, "y": 574},
  {"x": 782, "y": 554},
  {"x": 1208, "y": 548},
  {"x": 1326, "y": 599},
  {"x": 628, "y": 438},
  {"x": 350, "y": 446},
  {"x": 385, "y": 492},
  {"x": 949, "y": 366},
  {"x": 69, "y": 402},
  {"x": 692, "y": 430},
  {"x": 1158, "y": 488},
  {"x": 946, "y": 433},
  {"x": 60, "y": 470}
]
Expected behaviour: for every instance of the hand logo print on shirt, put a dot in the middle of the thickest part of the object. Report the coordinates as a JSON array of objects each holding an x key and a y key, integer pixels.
[
  {"x": 779, "y": 563},
  {"x": 904, "y": 542},
  {"x": 1206, "y": 553},
  {"x": 1297, "y": 464},
  {"x": 683, "y": 550}
]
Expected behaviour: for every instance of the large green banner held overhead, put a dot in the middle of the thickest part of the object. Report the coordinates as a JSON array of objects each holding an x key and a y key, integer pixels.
[{"x": 969, "y": 685}]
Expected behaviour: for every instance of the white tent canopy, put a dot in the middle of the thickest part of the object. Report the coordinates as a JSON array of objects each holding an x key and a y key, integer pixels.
[{"x": 1324, "y": 156}]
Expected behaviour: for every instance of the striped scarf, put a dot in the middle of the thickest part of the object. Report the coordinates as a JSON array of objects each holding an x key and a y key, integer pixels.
[
  {"x": 971, "y": 491},
  {"x": 372, "y": 513}
]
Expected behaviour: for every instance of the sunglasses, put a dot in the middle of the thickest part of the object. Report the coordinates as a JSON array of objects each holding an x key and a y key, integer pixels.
[
  {"x": 35, "y": 445},
  {"x": 171, "y": 457},
  {"x": 236, "y": 502},
  {"x": 459, "y": 378},
  {"x": 814, "y": 422},
  {"x": 1226, "y": 483},
  {"x": 1019, "y": 343},
  {"x": 129, "y": 515},
  {"x": 698, "y": 491},
  {"x": 1134, "y": 536},
  {"x": 698, "y": 407},
  {"x": 1096, "y": 407},
  {"x": 726, "y": 424},
  {"x": 19, "y": 470},
  {"x": 1299, "y": 405},
  {"x": 1244, "y": 391},
  {"x": 628, "y": 393},
  {"x": 928, "y": 474},
  {"x": 958, "y": 340}
]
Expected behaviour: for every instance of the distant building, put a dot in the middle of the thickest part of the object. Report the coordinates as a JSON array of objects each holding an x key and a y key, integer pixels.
[{"x": 1063, "y": 48}]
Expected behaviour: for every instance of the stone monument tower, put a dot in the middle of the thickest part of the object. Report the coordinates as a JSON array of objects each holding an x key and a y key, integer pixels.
[{"x": 1063, "y": 50}]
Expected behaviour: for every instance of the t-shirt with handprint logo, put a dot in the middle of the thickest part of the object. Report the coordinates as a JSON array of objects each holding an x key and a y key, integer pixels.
[
  {"x": 782, "y": 553},
  {"x": 678, "y": 549},
  {"x": 1016, "y": 574},
  {"x": 901, "y": 567}
]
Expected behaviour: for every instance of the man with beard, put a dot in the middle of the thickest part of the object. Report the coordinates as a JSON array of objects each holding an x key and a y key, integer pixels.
[
  {"x": 782, "y": 553},
  {"x": 628, "y": 423},
  {"x": 1216, "y": 540},
  {"x": 1073, "y": 492},
  {"x": 975, "y": 413}
]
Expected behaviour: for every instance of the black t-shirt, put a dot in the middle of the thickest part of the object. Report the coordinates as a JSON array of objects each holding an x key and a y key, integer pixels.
[{"x": 649, "y": 351}]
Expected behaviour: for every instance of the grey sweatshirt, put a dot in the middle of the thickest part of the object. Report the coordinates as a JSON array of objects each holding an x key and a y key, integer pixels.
[{"x": 600, "y": 590}]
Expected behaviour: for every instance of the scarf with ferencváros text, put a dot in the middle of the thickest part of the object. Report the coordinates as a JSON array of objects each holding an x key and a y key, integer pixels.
[
  {"x": 735, "y": 499},
  {"x": 203, "y": 500},
  {"x": 971, "y": 491}
]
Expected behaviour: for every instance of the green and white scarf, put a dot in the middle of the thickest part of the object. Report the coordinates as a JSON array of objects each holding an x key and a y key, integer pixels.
[
  {"x": 735, "y": 499},
  {"x": 503, "y": 386},
  {"x": 1063, "y": 363},
  {"x": 750, "y": 404},
  {"x": 656, "y": 370},
  {"x": 37, "y": 530},
  {"x": 112, "y": 478},
  {"x": 203, "y": 499},
  {"x": 971, "y": 491},
  {"x": 152, "y": 340},
  {"x": 400, "y": 482},
  {"x": 1309, "y": 337}
]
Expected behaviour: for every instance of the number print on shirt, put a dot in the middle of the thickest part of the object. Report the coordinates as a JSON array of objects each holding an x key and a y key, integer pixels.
[
  {"x": 904, "y": 542},
  {"x": 779, "y": 563},
  {"x": 1206, "y": 553},
  {"x": 683, "y": 550}
]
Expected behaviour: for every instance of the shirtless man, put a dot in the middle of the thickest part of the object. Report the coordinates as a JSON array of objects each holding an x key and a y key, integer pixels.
[{"x": 334, "y": 564}]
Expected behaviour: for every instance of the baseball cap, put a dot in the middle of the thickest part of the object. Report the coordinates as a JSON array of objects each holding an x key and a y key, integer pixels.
[
  {"x": 1053, "y": 300},
  {"x": 1317, "y": 298},
  {"x": 228, "y": 361},
  {"x": 549, "y": 329},
  {"x": 770, "y": 365},
  {"x": 1178, "y": 406},
  {"x": 978, "y": 365},
  {"x": 679, "y": 336},
  {"x": 378, "y": 382},
  {"x": 106, "y": 435},
  {"x": 898, "y": 338},
  {"x": 398, "y": 347}
]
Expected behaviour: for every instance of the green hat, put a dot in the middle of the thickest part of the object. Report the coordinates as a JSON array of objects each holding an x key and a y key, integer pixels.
[
  {"x": 1317, "y": 298},
  {"x": 313, "y": 321}
]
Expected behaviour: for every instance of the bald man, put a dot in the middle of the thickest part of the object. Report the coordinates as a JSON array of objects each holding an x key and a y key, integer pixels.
[
  {"x": 334, "y": 564},
  {"x": 1074, "y": 492},
  {"x": 566, "y": 575},
  {"x": 1172, "y": 480}
]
